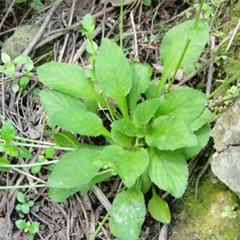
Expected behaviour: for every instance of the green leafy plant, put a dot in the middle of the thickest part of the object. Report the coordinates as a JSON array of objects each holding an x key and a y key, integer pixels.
[
  {"x": 9, "y": 70},
  {"x": 230, "y": 212},
  {"x": 24, "y": 204},
  {"x": 148, "y": 142},
  {"x": 28, "y": 227},
  {"x": 8, "y": 148}
]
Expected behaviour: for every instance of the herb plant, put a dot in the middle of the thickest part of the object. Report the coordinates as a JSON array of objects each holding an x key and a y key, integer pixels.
[
  {"x": 148, "y": 142},
  {"x": 24, "y": 204},
  {"x": 28, "y": 227}
]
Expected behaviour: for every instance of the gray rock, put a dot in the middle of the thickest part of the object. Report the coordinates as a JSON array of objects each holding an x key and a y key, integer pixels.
[
  {"x": 226, "y": 134},
  {"x": 227, "y": 129},
  {"x": 226, "y": 167},
  {"x": 19, "y": 40}
]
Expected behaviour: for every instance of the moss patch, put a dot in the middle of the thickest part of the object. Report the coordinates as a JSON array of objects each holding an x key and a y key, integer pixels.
[{"x": 204, "y": 218}]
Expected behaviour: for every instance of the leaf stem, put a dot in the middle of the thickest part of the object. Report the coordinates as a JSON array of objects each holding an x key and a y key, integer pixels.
[
  {"x": 179, "y": 64},
  {"x": 22, "y": 186},
  {"x": 100, "y": 226},
  {"x": 198, "y": 14},
  {"x": 121, "y": 24}
]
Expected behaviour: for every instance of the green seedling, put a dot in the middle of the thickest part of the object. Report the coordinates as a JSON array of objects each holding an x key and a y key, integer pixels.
[
  {"x": 9, "y": 70},
  {"x": 28, "y": 227},
  {"x": 8, "y": 133},
  {"x": 24, "y": 204},
  {"x": 148, "y": 142}
]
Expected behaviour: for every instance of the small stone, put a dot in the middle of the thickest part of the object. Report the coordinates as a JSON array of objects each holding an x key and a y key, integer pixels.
[
  {"x": 226, "y": 167},
  {"x": 19, "y": 40},
  {"x": 227, "y": 129}
]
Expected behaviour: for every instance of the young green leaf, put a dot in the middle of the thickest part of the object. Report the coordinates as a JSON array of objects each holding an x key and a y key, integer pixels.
[
  {"x": 121, "y": 139},
  {"x": 159, "y": 209},
  {"x": 169, "y": 171},
  {"x": 141, "y": 74},
  {"x": 5, "y": 58},
  {"x": 49, "y": 152},
  {"x": 127, "y": 214},
  {"x": 203, "y": 135},
  {"x": 145, "y": 111},
  {"x": 151, "y": 90},
  {"x": 145, "y": 182},
  {"x": 175, "y": 40},
  {"x": 113, "y": 71},
  {"x": 25, "y": 208},
  {"x": 75, "y": 169},
  {"x": 67, "y": 78},
  {"x": 124, "y": 126},
  {"x": 66, "y": 139},
  {"x": 25, "y": 153},
  {"x": 8, "y": 132},
  {"x": 20, "y": 197},
  {"x": 129, "y": 165},
  {"x": 4, "y": 160},
  {"x": 71, "y": 114},
  {"x": 170, "y": 133},
  {"x": 10, "y": 70},
  {"x": 21, "y": 224},
  {"x": 184, "y": 103},
  {"x": 88, "y": 23},
  {"x": 34, "y": 228},
  {"x": 24, "y": 81}
]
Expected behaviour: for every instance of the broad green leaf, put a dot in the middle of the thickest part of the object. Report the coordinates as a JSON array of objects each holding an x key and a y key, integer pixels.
[
  {"x": 8, "y": 132},
  {"x": 184, "y": 103},
  {"x": 24, "y": 81},
  {"x": 175, "y": 40},
  {"x": 71, "y": 114},
  {"x": 124, "y": 126},
  {"x": 129, "y": 165},
  {"x": 66, "y": 139},
  {"x": 61, "y": 194},
  {"x": 169, "y": 171},
  {"x": 91, "y": 105},
  {"x": 88, "y": 23},
  {"x": 121, "y": 139},
  {"x": 203, "y": 135},
  {"x": 170, "y": 133},
  {"x": 127, "y": 215},
  {"x": 67, "y": 78},
  {"x": 145, "y": 111},
  {"x": 4, "y": 160},
  {"x": 141, "y": 74},
  {"x": 113, "y": 71},
  {"x": 11, "y": 150},
  {"x": 75, "y": 169},
  {"x": 159, "y": 209},
  {"x": 204, "y": 117}
]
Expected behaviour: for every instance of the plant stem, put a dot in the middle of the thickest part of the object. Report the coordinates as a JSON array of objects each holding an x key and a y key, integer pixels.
[
  {"x": 22, "y": 186},
  {"x": 179, "y": 64},
  {"x": 121, "y": 24},
  {"x": 28, "y": 164},
  {"x": 100, "y": 226},
  {"x": 198, "y": 14},
  {"x": 224, "y": 84}
]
